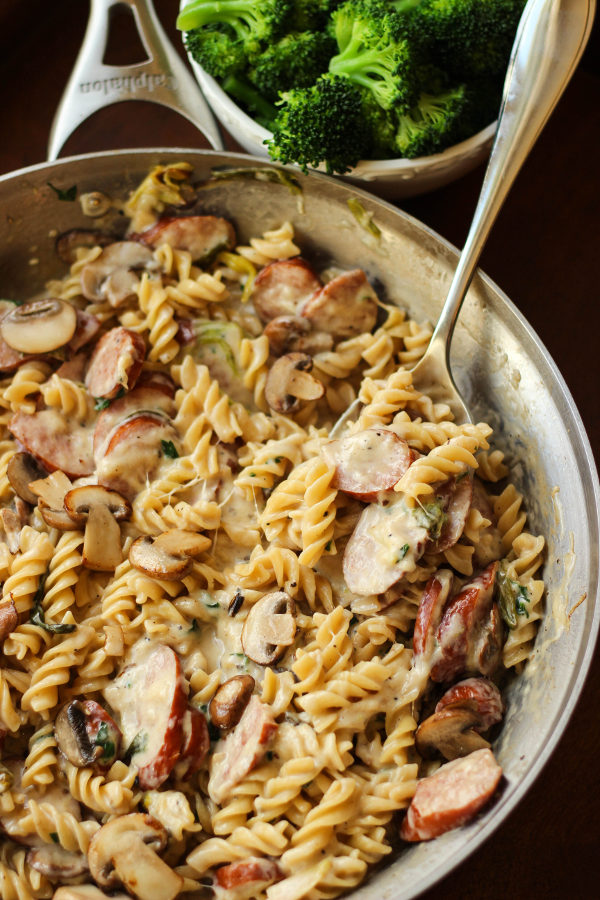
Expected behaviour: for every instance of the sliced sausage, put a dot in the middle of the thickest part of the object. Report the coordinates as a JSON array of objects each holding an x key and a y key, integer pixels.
[
  {"x": 429, "y": 614},
  {"x": 456, "y": 496},
  {"x": 74, "y": 368},
  {"x": 254, "y": 874},
  {"x": 111, "y": 276},
  {"x": 368, "y": 462},
  {"x": 202, "y": 236},
  {"x": 86, "y": 330},
  {"x": 241, "y": 750},
  {"x": 151, "y": 396},
  {"x": 68, "y": 243},
  {"x": 478, "y": 694},
  {"x": 11, "y": 359},
  {"x": 55, "y": 441},
  {"x": 385, "y": 545},
  {"x": 468, "y": 624},
  {"x": 116, "y": 363},
  {"x": 282, "y": 287},
  {"x": 344, "y": 307},
  {"x": 8, "y": 619},
  {"x": 133, "y": 453},
  {"x": 149, "y": 697},
  {"x": 195, "y": 743},
  {"x": 452, "y": 796}
]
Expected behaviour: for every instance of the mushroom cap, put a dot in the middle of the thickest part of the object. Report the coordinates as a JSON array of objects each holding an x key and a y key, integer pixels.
[
  {"x": 112, "y": 836},
  {"x": 55, "y": 862},
  {"x": 40, "y": 326},
  {"x": 110, "y": 274},
  {"x": 71, "y": 735},
  {"x": 450, "y": 732},
  {"x": 79, "y": 501},
  {"x": 167, "y": 557},
  {"x": 22, "y": 469},
  {"x": 230, "y": 701},
  {"x": 289, "y": 383},
  {"x": 269, "y": 628}
]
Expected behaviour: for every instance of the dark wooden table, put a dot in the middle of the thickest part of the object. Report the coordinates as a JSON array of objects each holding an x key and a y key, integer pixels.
[{"x": 544, "y": 252}]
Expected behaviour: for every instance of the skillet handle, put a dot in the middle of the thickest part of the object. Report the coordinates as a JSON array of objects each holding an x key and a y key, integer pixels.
[{"x": 162, "y": 79}]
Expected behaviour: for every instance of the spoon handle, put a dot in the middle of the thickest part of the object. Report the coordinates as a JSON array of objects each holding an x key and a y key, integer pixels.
[{"x": 550, "y": 39}]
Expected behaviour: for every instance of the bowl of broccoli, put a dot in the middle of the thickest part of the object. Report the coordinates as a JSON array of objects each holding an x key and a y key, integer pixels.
[{"x": 401, "y": 94}]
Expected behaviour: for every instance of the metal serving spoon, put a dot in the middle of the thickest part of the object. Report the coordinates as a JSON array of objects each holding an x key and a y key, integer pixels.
[{"x": 550, "y": 40}]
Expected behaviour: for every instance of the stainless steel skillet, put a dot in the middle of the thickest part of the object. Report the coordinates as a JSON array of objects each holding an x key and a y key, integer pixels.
[{"x": 512, "y": 382}]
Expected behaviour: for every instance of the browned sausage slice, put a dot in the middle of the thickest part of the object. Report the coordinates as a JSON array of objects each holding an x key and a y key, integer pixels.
[
  {"x": 254, "y": 873},
  {"x": 8, "y": 619},
  {"x": 282, "y": 287},
  {"x": 478, "y": 694},
  {"x": 468, "y": 624},
  {"x": 195, "y": 744},
  {"x": 152, "y": 396},
  {"x": 116, "y": 363},
  {"x": 133, "y": 452},
  {"x": 86, "y": 330},
  {"x": 429, "y": 615},
  {"x": 55, "y": 441},
  {"x": 149, "y": 697},
  {"x": 202, "y": 236},
  {"x": 385, "y": 545},
  {"x": 344, "y": 307},
  {"x": 241, "y": 750},
  {"x": 456, "y": 496},
  {"x": 452, "y": 796},
  {"x": 368, "y": 462}
]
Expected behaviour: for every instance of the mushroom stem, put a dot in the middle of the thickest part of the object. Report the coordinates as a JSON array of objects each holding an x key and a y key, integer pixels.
[{"x": 102, "y": 541}]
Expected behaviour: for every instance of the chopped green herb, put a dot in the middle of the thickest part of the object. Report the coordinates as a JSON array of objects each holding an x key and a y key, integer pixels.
[
  {"x": 431, "y": 516},
  {"x": 37, "y": 614},
  {"x": 54, "y": 836},
  {"x": 103, "y": 740},
  {"x": 69, "y": 195},
  {"x": 195, "y": 626},
  {"x": 402, "y": 552},
  {"x": 101, "y": 403},
  {"x": 327, "y": 546},
  {"x": 169, "y": 449},
  {"x": 512, "y": 597}
]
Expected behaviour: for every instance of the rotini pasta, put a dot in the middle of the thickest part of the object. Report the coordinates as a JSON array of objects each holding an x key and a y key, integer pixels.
[{"x": 210, "y": 620}]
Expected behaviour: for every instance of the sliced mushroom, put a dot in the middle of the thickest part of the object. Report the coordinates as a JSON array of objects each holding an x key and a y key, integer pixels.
[
  {"x": 67, "y": 243},
  {"x": 269, "y": 628},
  {"x": 55, "y": 862},
  {"x": 39, "y": 327},
  {"x": 288, "y": 333},
  {"x": 289, "y": 383},
  {"x": 230, "y": 701},
  {"x": 51, "y": 492},
  {"x": 21, "y": 470},
  {"x": 125, "y": 852},
  {"x": 450, "y": 732},
  {"x": 111, "y": 276},
  {"x": 95, "y": 204},
  {"x": 11, "y": 525},
  {"x": 168, "y": 556},
  {"x": 8, "y": 619},
  {"x": 100, "y": 510},
  {"x": 86, "y": 734}
]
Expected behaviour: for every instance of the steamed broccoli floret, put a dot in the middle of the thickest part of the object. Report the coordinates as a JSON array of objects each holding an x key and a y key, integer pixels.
[
  {"x": 322, "y": 124},
  {"x": 431, "y": 125},
  {"x": 216, "y": 51},
  {"x": 373, "y": 54},
  {"x": 295, "y": 61},
  {"x": 309, "y": 15},
  {"x": 467, "y": 38},
  {"x": 253, "y": 22}
]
